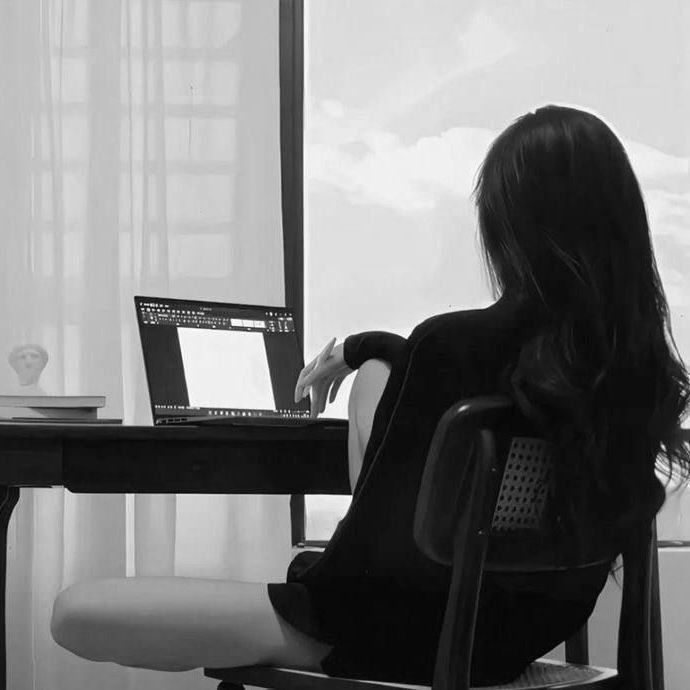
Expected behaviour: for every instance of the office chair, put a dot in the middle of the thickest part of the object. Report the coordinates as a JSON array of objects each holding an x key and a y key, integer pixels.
[{"x": 466, "y": 511}]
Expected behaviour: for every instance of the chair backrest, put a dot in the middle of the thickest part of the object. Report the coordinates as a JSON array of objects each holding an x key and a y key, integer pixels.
[
  {"x": 525, "y": 487},
  {"x": 474, "y": 484}
]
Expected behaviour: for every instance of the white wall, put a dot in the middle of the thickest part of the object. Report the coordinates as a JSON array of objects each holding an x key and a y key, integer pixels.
[{"x": 674, "y": 575}]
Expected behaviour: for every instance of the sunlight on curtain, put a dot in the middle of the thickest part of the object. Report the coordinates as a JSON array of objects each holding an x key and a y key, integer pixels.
[
  {"x": 140, "y": 155},
  {"x": 402, "y": 102}
]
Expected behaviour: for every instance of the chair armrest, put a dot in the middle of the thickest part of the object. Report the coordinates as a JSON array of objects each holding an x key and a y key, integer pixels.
[
  {"x": 455, "y": 506},
  {"x": 445, "y": 489}
]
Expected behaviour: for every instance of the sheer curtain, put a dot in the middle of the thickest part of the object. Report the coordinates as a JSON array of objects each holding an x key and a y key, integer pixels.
[{"x": 139, "y": 154}]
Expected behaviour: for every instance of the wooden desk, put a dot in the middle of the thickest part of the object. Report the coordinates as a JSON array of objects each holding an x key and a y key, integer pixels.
[{"x": 134, "y": 459}]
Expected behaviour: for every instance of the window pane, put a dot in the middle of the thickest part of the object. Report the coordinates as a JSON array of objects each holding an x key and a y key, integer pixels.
[{"x": 402, "y": 101}]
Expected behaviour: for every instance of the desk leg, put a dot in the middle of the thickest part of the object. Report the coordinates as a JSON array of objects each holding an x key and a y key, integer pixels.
[{"x": 9, "y": 495}]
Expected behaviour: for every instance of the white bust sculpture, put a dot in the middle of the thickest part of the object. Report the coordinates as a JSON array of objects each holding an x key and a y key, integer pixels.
[{"x": 28, "y": 361}]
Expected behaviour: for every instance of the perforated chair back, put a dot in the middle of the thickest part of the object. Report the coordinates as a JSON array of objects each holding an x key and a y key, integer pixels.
[
  {"x": 525, "y": 487},
  {"x": 487, "y": 475}
]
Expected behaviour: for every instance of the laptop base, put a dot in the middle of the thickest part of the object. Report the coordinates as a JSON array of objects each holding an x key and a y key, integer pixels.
[{"x": 215, "y": 420}]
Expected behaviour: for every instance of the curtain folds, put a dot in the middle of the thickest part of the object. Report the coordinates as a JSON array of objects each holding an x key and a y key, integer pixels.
[{"x": 139, "y": 154}]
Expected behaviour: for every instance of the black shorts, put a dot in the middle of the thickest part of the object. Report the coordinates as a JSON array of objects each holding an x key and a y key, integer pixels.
[{"x": 382, "y": 631}]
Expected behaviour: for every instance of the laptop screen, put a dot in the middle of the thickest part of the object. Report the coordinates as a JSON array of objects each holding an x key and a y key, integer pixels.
[{"x": 208, "y": 358}]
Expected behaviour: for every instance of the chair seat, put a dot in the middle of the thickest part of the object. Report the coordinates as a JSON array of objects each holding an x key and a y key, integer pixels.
[{"x": 540, "y": 675}]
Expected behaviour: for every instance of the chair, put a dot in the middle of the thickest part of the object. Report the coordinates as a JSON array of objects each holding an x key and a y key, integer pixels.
[{"x": 463, "y": 510}]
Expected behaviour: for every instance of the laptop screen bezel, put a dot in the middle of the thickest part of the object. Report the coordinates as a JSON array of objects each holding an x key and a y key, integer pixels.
[{"x": 138, "y": 299}]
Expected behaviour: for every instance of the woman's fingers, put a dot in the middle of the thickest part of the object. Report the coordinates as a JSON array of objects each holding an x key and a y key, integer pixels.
[
  {"x": 333, "y": 385},
  {"x": 324, "y": 400},
  {"x": 326, "y": 352},
  {"x": 315, "y": 380},
  {"x": 300, "y": 385},
  {"x": 336, "y": 385},
  {"x": 312, "y": 371},
  {"x": 319, "y": 393},
  {"x": 310, "y": 367},
  {"x": 317, "y": 398},
  {"x": 311, "y": 378}
]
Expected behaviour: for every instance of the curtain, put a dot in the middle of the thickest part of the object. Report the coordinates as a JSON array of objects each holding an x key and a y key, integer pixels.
[{"x": 139, "y": 154}]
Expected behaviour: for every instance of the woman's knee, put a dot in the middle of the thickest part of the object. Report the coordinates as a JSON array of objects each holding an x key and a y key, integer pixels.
[
  {"x": 365, "y": 395},
  {"x": 69, "y": 610},
  {"x": 107, "y": 619},
  {"x": 176, "y": 624},
  {"x": 73, "y": 624},
  {"x": 367, "y": 388}
]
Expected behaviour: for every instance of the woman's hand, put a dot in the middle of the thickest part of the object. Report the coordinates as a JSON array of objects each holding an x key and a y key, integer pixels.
[{"x": 325, "y": 372}]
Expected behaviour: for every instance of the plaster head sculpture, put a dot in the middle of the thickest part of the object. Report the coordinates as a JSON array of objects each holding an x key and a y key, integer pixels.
[{"x": 28, "y": 361}]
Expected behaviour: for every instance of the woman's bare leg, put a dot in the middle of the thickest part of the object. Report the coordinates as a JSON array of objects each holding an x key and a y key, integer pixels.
[
  {"x": 179, "y": 623},
  {"x": 370, "y": 380}
]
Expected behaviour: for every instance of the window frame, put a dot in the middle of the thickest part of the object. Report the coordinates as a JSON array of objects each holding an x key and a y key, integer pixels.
[{"x": 291, "y": 39}]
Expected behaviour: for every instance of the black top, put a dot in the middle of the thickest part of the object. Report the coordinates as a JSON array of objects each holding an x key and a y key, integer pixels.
[{"x": 372, "y": 593}]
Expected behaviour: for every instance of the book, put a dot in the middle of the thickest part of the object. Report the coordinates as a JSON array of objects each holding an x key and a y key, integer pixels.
[
  {"x": 59, "y": 420},
  {"x": 63, "y": 407},
  {"x": 79, "y": 401}
]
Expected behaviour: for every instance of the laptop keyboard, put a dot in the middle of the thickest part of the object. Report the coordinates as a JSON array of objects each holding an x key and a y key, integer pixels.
[{"x": 253, "y": 421}]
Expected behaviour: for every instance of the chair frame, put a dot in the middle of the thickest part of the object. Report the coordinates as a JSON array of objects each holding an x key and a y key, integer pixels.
[{"x": 459, "y": 536}]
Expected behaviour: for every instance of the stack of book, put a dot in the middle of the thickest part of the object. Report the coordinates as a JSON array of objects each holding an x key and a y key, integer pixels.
[{"x": 53, "y": 409}]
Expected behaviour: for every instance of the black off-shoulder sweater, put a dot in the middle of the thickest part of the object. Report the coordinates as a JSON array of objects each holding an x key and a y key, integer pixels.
[{"x": 372, "y": 594}]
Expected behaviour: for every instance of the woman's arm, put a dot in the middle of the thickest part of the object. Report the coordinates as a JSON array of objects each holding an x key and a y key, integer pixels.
[
  {"x": 361, "y": 347},
  {"x": 321, "y": 378}
]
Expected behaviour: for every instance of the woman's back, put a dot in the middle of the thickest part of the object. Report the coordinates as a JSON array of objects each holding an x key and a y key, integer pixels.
[
  {"x": 446, "y": 358},
  {"x": 581, "y": 341},
  {"x": 372, "y": 591}
]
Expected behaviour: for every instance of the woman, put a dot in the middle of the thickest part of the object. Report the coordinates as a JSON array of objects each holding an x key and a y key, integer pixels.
[{"x": 580, "y": 338}]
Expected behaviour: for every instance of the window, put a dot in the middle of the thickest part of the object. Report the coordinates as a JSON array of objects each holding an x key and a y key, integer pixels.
[{"x": 402, "y": 101}]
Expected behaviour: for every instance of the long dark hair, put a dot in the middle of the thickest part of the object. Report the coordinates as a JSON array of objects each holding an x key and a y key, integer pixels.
[{"x": 563, "y": 228}]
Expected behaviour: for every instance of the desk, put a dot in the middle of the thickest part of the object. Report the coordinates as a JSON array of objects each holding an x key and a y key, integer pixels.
[{"x": 173, "y": 459}]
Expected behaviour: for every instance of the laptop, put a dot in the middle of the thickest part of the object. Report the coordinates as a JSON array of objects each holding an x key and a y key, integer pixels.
[{"x": 211, "y": 363}]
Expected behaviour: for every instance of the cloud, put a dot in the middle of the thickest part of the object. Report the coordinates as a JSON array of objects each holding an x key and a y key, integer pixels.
[
  {"x": 650, "y": 164},
  {"x": 371, "y": 165},
  {"x": 479, "y": 44},
  {"x": 484, "y": 42}
]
